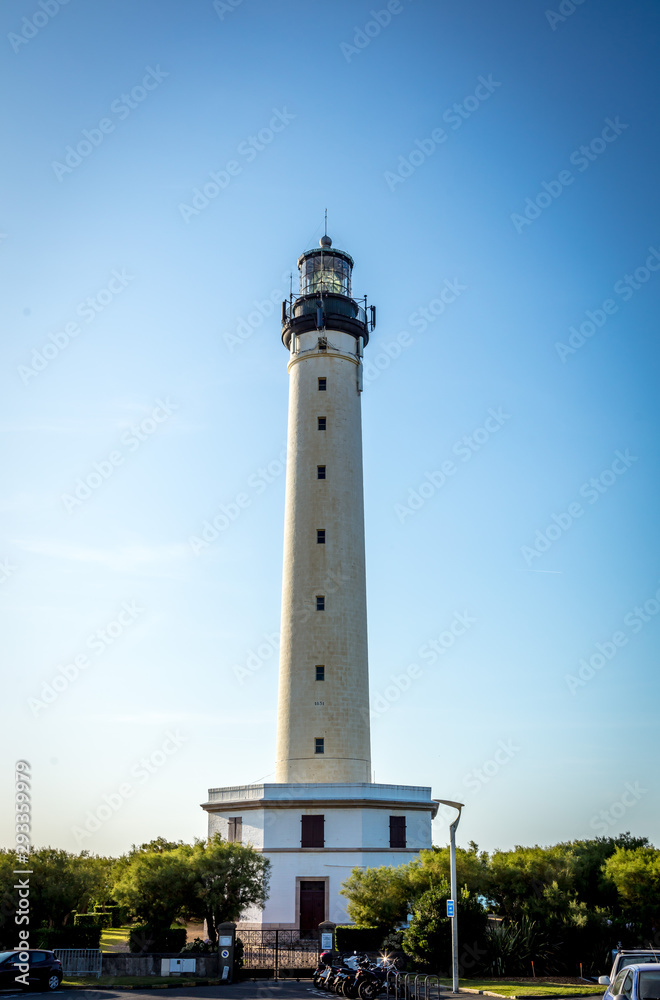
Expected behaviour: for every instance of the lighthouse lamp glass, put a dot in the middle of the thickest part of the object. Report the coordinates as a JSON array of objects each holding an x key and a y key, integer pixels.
[{"x": 325, "y": 273}]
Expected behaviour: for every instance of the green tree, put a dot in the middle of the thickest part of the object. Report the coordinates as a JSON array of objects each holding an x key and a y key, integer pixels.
[
  {"x": 433, "y": 867},
  {"x": 428, "y": 938},
  {"x": 586, "y": 859},
  {"x": 60, "y": 884},
  {"x": 227, "y": 878},
  {"x": 155, "y": 881},
  {"x": 530, "y": 881},
  {"x": 378, "y": 897},
  {"x": 636, "y": 875}
]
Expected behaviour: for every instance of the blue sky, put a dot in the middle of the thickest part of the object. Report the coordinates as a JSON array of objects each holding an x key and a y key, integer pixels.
[{"x": 142, "y": 354}]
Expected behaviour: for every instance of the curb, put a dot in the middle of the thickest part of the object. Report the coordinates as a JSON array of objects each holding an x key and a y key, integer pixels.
[{"x": 528, "y": 996}]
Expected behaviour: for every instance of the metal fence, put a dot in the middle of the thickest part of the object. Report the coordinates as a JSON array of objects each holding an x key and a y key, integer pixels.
[
  {"x": 80, "y": 961},
  {"x": 278, "y": 950}
]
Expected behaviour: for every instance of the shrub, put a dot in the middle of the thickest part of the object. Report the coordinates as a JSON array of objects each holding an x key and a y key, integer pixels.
[
  {"x": 92, "y": 920},
  {"x": 349, "y": 938},
  {"x": 67, "y": 937},
  {"x": 199, "y": 947},
  {"x": 146, "y": 939},
  {"x": 119, "y": 915}
]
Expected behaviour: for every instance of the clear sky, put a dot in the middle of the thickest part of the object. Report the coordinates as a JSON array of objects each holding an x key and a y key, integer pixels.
[{"x": 492, "y": 168}]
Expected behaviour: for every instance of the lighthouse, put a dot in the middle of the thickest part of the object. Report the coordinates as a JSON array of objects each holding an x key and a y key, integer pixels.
[
  {"x": 323, "y": 705},
  {"x": 323, "y": 815}
]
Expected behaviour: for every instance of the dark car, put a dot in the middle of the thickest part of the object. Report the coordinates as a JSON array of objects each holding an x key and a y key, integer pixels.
[{"x": 45, "y": 971}]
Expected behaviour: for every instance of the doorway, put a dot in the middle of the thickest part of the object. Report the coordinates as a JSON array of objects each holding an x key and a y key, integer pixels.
[{"x": 312, "y": 905}]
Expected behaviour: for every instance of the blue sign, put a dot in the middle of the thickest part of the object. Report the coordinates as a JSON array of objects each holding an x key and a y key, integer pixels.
[{"x": 450, "y": 908}]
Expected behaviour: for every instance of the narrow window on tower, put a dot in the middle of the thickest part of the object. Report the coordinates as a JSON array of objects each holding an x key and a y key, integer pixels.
[
  {"x": 319, "y": 745},
  {"x": 320, "y": 536},
  {"x": 321, "y": 424},
  {"x": 320, "y": 603},
  {"x": 397, "y": 831},
  {"x": 320, "y": 471},
  {"x": 323, "y": 384},
  {"x": 320, "y": 672}
]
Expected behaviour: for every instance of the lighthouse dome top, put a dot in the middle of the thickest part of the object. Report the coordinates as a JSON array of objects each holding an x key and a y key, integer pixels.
[{"x": 325, "y": 269}]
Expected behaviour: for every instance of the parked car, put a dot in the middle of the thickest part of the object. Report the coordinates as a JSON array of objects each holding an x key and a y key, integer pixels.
[
  {"x": 636, "y": 982},
  {"x": 628, "y": 956},
  {"x": 45, "y": 971}
]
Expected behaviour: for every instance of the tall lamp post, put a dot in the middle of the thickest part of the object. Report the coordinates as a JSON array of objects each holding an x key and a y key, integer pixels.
[{"x": 454, "y": 915}]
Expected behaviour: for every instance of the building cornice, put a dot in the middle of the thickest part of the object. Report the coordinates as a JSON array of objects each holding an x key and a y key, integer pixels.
[{"x": 358, "y": 803}]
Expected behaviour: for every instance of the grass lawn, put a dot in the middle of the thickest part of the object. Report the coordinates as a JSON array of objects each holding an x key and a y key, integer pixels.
[
  {"x": 510, "y": 988},
  {"x": 115, "y": 938},
  {"x": 127, "y": 982}
]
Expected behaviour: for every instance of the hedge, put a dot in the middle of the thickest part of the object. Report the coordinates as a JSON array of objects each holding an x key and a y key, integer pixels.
[
  {"x": 92, "y": 920},
  {"x": 349, "y": 938},
  {"x": 67, "y": 937},
  {"x": 146, "y": 939},
  {"x": 119, "y": 915}
]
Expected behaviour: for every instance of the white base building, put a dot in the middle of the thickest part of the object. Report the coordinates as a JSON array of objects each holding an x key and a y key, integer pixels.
[{"x": 314, "y": 834}]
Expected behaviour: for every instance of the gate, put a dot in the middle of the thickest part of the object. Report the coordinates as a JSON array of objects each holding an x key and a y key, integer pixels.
[{"x": 279, "y": 951}]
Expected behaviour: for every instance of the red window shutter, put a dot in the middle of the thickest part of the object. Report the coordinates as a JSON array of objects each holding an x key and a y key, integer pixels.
[{"x": 312, "y": 831}]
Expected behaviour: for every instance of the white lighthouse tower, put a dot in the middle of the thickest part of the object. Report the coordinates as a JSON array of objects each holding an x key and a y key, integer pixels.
[
  {"x": 323, "y": 815},
  {"x": 323, "y": 715}
]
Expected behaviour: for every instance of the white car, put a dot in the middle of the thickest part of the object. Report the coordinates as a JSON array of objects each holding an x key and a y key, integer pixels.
[
  {"x": 625, "y": 957},
  {"x": 635, "y": 982}
]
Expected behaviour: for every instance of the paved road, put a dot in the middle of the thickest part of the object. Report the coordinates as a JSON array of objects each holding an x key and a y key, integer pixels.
[{"x": 261, "y": 990}]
